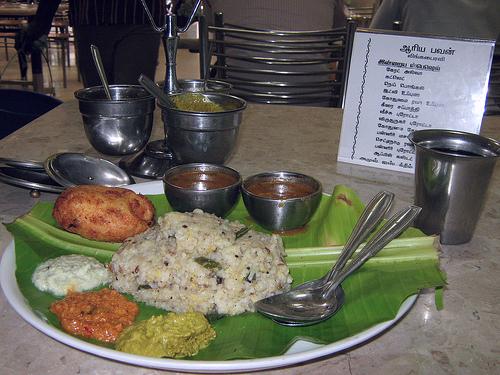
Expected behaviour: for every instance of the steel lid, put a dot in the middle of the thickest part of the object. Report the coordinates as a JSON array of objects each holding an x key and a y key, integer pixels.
[
  {"x": 60, "y": 171},
  {"x": 70, "y": 169}
]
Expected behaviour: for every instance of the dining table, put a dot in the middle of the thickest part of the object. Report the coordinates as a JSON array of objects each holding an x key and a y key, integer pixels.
[
  {"x": 461, "y": 338},
  {"x": 17, "y": 9},
  {"x": 25, "y": 12}
]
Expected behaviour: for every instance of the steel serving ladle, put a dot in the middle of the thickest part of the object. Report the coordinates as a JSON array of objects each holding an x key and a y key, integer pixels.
[{"x": 318, "y": 302}]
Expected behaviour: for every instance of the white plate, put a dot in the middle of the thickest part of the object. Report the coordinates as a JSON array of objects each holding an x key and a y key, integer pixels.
[{"x": 301, "y": 351}]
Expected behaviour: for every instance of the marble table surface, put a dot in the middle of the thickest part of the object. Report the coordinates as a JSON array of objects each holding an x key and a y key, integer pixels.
[{"x": 463, "y": 338}]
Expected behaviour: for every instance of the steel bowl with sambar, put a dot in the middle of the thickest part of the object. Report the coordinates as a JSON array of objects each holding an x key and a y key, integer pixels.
[
  {"x": 212, "y": 188},
  {"x": 281, "y": 201}
]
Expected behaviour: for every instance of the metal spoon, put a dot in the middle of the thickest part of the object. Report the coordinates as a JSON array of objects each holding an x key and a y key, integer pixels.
[
  {"x": 23, "y": 164},
  {"x": 207, "y": 67},
  {"x": 300, "y": 307},
  {"x": 155, "y": 90},
  {"x": 100, "y": 70},
  {"x": 370, "y": 218}
]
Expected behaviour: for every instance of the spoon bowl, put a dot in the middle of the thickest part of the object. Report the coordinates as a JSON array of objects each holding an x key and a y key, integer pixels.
[{"x": 305, "y": 305}]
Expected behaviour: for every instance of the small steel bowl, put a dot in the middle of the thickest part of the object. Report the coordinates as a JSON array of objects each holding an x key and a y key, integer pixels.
[
  {"x": 198, "y": 85},
  {"x": 281, "y": 201},
  {"x": 204, "y": 137},
  {"x": 121, "y": 126},
  {"x": 212, "y": 188}
]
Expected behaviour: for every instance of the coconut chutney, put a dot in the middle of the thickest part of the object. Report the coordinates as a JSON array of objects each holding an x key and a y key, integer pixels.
[{"x": 75, "y": 273}]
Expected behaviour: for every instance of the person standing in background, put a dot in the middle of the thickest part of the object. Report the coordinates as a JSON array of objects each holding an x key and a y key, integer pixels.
[
  {"x": 282, "y": 14},
  {"x": 121, "y": 30},
  {"x": 454, "y": 18}
]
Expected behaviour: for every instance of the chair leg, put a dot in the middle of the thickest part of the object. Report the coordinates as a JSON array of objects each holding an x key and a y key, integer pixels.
[
  {"x": 23, "y": 65},
  {"x": 47, "y": 53},
  {"x": 68, "y": 59},
  {"x": 6, "y": 48},
  {"x": 63, "y": 61},
  {"x": 78, "y": 75}
]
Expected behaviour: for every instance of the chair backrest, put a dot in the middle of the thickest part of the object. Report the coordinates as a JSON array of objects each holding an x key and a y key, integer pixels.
[
  {"x": 493, "y": 97},
  {"x": 276, "y": 66},
  {"x": 361, "y": 14},
  {"x": 19, "y": 107}
]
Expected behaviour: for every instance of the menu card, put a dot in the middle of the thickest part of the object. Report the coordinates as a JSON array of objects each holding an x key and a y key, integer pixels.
[{"x": 399, "y": 83}]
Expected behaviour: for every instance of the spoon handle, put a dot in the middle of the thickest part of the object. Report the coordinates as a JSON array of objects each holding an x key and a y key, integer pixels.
[
  {"x": 206, "y": 70},
  {"x": 391, "y": 229},
  {"x": 370, "y": 218},
  {"x": 23, "y": 164},
  {"x": 100, "y": 69},
  {"x": 153, "y": 89}
]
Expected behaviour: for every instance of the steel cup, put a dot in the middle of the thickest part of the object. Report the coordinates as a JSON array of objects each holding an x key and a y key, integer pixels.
[
  {"x": 121, "y": 126},
  {"x": 452, "y": 173},
  {"x": 204, "y": 137}
]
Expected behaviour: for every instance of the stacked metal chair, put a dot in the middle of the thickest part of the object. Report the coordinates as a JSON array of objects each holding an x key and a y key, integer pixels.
[
  {"x": 493, "y": 97},
  {"x": 276, "y": 66}
]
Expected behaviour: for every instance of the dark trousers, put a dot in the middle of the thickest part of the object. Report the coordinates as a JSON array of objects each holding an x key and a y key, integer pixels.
[{"x": 126, "y": 52}]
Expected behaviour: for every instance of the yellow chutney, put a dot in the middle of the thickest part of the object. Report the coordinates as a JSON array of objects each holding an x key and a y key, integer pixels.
[
  {"x": 195, "y": 102},
  {"x": 174, "y": 335}
]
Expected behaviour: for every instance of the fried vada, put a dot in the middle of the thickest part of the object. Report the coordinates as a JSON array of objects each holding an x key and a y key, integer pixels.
[{"x": 103, "y": 213}]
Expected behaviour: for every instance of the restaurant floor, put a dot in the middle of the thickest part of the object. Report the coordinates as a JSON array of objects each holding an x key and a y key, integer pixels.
[{"x": 187, "y": 67}]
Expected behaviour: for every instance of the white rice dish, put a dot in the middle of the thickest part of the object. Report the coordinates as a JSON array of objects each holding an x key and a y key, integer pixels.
[
  {"x": 66, "y": 273},
  {"x": 194, "y": 262}
]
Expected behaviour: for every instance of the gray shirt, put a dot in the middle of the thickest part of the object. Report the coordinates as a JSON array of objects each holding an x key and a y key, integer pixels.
[
  {"x": 460, "y": 18},
  {"x": 278, "y": 14}
]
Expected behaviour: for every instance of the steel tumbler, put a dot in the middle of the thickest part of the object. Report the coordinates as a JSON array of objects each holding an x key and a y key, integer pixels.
[{"x": 452, "y": 173}]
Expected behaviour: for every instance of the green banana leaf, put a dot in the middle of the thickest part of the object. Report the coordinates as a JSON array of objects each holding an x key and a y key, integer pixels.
[{"x": 374, "y": 294}]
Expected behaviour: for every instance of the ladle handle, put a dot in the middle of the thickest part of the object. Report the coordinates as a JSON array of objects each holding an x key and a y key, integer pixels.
[
  {"x": 390, "y": 230},
  {"x": 206, "y": 68},
  {"x": 100, "y": 69},
  {"x": 370, "y": 218}
]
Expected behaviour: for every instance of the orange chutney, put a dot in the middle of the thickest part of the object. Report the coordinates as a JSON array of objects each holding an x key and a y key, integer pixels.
[{"x": 100, "y": 315}]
